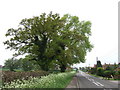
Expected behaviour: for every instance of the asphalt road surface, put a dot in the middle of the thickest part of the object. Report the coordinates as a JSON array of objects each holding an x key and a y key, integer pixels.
[{"x": 88, "y": 81}]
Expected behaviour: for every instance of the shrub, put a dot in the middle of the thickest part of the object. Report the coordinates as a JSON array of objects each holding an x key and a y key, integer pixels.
[
  {"x": 117, "y": 75},
  {"x": 100, "y": 71},
  {"x": 93, "y": 70},
  {"x": 107, "y": 74},
  {"x": 8, "y": 76}
]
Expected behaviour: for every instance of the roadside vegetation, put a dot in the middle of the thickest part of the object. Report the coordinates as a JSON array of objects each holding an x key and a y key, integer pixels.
[
  {"x": 9, "y": 76},
  {"x": 60, "y": 80},
  {"x": 110, "y": 72}
]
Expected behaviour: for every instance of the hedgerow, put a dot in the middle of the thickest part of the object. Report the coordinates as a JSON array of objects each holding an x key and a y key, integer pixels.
[
  {"x": 59, "y": 80},
  {"x": 9, "y": 76}
]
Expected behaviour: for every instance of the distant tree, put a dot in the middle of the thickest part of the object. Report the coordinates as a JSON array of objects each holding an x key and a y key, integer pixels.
[
  {"x": 108, "y": 68},
  {"x": 115, "y": 66},
  {"x": 11, "y": 64},
  {"x": 93, "y": 70},
  {"x": 27, "y": 64}
]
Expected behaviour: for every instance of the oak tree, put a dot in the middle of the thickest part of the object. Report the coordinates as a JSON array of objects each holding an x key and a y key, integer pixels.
[{"x": 51, "y": 38}]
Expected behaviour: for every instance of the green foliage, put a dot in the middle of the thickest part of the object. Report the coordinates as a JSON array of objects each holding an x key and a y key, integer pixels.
[
  {"x": 34, "y": 36},
  {"x": 108, "y": 68},
  {"x": 107, "y": 74},
  {"x": 115, "y": 66},
  {"x": 22, "y": 64},
  {"x": 93, "y": 70},
  {"x": 100, "y": 71},
  {"x": 27, "y": 64},
  {"x": 11, "y": 64},
  {"x": 51, "y": 39},
  {"x": 110, "y": 72},
  {"x": 117, "y": 73},
  {"x": 72, "y": 42}
]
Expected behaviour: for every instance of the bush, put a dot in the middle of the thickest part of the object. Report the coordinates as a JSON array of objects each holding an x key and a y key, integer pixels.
[
  {"x": 8, "y": 76},
  {"x": 107, "y": 74},
  {"x": 117, "y": 75},
  {"x": 93, "y": 70},
  {"x": 100, "y": 71}
]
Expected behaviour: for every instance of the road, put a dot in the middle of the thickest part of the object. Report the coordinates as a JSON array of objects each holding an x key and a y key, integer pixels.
[{"x": 85, "y": 80}]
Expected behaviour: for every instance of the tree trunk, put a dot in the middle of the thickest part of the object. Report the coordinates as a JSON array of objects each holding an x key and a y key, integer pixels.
[{"x": 63, "y": 68}]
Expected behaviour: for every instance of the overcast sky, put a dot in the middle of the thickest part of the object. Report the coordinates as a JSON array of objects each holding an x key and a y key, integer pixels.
[{"x": 103, "y": 15}]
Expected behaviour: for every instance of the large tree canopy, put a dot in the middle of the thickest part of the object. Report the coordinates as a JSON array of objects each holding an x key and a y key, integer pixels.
[
  {"x": 73, "y": 41},
  {"x": 51, "y": 38}
]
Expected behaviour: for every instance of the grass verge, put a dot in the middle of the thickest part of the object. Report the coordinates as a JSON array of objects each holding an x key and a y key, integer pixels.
[
  {"x": 102, "y": 77},
  {"x": 60, "y": 80}
]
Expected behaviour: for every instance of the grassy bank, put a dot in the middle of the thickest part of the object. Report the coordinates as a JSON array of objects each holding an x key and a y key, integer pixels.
[{"x": 60, "y": 80}]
